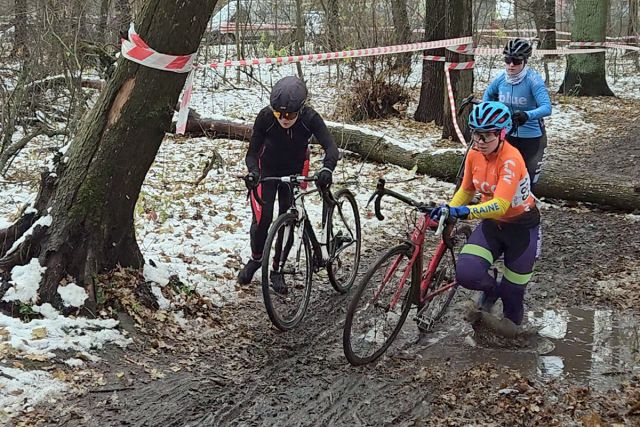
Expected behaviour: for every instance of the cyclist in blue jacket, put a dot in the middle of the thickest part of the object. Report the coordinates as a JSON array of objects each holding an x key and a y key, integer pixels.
[{"x": 522, "y": 89}]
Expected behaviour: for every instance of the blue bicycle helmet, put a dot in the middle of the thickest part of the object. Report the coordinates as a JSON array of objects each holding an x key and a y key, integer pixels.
[{"x": 489, "y": 116}]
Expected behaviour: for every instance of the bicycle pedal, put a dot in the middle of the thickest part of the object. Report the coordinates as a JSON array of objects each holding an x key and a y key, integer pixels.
[{"x": 424, "y": 323}]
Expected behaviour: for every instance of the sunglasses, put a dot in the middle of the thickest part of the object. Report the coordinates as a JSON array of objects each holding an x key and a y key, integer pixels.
[
  {"x": 484, "y": 137},
  {"x": 288, "y": 115},
  {"x": 511, "y": 60}
]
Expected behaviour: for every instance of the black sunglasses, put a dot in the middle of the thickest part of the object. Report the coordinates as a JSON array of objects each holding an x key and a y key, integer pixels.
[{"x": 509, "y": 59}]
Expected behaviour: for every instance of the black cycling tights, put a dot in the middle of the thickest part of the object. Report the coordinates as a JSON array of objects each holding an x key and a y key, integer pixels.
[{"x": 533, "y": 151}]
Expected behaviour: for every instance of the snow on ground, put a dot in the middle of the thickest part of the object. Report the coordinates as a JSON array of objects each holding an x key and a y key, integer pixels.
[{"x": 200, "y": 232}]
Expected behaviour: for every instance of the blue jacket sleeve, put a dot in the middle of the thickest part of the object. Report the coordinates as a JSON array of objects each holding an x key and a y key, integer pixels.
[
  {"x": 492, "y": 91},
  {"x": 541, "y": 95}
]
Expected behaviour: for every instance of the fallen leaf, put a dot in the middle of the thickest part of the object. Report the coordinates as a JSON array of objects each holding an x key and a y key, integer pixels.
[{"x": 39, "y": 333}]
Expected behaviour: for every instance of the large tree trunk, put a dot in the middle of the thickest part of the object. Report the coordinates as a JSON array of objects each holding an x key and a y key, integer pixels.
[
  {"x": 459, "y": 13},
  {"x": 21, "y": 31},
  {"x": 403, "y": 33},
  {"x": 430, "y": 106},
  {"x": 91, "y": 197},
  {"x": 557, "y": 181},
  {"x": 586, "y": 74}
]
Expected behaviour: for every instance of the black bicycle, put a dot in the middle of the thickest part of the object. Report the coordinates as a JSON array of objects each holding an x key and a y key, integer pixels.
[{"x": 293, "y": 252}]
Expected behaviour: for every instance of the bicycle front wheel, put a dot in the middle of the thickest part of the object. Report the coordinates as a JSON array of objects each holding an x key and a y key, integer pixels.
[
  {"x": 380, "y": 306},
  {"x": 436, "y": 306},
  {"x": 344, "y": 241},
  {"x": 287, "y": 270}
]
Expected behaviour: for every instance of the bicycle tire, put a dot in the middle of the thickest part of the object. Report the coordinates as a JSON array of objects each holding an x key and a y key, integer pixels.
[
  {"x": 271, "y": 297},
  {"x": 438, "y": 306},
  {"x": 343, "y": 197},
  {"x": 401, "y": 251}
]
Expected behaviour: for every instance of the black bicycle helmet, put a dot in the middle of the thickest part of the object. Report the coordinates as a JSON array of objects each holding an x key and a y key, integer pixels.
[
  {"x": 288, "y": 95},
  {"x": 518, "y": 49}
]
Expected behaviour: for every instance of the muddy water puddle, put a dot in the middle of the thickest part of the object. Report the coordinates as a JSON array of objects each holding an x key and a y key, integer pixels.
[{"x": 596, "y": 348}]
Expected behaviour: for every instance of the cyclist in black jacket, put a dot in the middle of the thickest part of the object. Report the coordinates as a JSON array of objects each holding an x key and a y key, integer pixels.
[{"x": 280, "y": 147}]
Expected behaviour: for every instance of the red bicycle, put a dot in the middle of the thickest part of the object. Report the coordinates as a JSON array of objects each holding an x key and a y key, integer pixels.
[{"x": 396, "y": 282}]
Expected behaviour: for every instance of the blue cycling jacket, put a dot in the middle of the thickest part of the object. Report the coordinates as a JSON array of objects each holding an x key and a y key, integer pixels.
[{"x": 529, "y": 95}]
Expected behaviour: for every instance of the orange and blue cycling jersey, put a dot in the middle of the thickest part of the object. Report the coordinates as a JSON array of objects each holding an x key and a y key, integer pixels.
[{"x": 503, "y": 181}]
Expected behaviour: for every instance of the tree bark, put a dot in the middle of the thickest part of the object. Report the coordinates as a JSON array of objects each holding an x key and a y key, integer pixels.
[
  {"x": 299, "y": 43},
  {"x": 21, "y": 30},
  {"x": 403, "y": 34},
  {"x": 331, "y": 12},
  {"x": 586, "y": 74},
  {"x": 104, "y": 19},
  {"x": 557, "y": 181},
  {"x": 123, "y": 14},
  {"x": 432, "y": 91},
  {"x": 546, "y": 20},
  {"x": 459, "y": 24},
  {"x": 92, "y": 196},
  {"x": 632, "y": 30}
]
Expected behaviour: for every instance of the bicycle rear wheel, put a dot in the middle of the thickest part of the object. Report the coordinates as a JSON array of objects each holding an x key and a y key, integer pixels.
[
  {"x": 344, "y": 241},
  {"x": 434, "y": 308},
  {"x": 380, "y": 306},
  {"x": 287, "y": 270}
]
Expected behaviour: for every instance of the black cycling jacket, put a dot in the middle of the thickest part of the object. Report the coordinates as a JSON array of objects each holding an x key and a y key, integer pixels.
[{"x": 275, "y": 151}]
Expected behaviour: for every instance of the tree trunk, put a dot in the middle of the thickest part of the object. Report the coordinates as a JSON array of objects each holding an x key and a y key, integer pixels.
[
  {"x": 556, "y": 182},
  {"x": 632, "y": 30},
  {"x": 299, "y": 44},
  {"x": 21, "y": 31},
  {"x": 459, "y": 24},
  {"x": 546, "y": 20},
  {"x": 123, "y": 14},
  {"x": 331, "y": 11},
  {"x": 104, "y": 19},
  {"x": 430, "y": 107},
  {"x": 403, "y": 34},
  {"x": 586, "y": 74},
  {"x": 92, "y": 195}
]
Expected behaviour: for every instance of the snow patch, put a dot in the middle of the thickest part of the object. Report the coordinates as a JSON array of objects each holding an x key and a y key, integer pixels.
[
  {"x": 163, "y": 303},
  {"x": 25, "y": 389},
  {"x": 72, "y": 295},
  {"x": 159, "y": 275},
  {"x": 44, "y": 221},
  {"x": 44, "y": 336},
  {"x": 25, "y": 280},
  {"x": 46, "y": 310}
]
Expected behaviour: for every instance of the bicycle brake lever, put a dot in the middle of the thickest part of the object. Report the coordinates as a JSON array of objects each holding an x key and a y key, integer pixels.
[{"x": 443, "y": 218}]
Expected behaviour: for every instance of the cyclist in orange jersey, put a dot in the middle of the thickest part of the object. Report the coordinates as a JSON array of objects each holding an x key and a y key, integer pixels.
[{"x": 510, "y": 219}]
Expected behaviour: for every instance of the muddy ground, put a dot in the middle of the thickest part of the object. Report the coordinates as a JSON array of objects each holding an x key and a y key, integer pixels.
[
  {"x": 245, "y": 372},
  {"x": 239, "y": 370}
]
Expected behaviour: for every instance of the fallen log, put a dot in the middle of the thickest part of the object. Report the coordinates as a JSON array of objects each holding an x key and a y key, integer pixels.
[{"x": 557, "y": 182}]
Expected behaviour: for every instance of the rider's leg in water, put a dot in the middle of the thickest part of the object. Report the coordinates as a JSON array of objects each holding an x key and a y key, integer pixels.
[
  {"x": 475, "y": 258},
  {"x": 519, "y": 259},
  {"x": 262, "y": 217}
]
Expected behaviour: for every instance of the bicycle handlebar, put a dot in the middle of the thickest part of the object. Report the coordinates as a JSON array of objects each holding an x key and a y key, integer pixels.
[
  {"x": 381, "y": 191},
  {"x": 468, "y": 100},
  {"x": 295, "y": 180}
]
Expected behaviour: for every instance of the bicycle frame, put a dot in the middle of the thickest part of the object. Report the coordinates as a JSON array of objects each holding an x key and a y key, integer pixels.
[
  {"x": 417, "y": 241},
  {"x": 319, "y": 247}
]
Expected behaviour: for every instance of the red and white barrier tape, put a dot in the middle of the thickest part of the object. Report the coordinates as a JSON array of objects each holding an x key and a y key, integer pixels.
[{"x": 136, "y": 50}]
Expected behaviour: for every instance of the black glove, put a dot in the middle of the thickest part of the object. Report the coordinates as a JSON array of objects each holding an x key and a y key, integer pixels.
[
  {"x": 251, "y": 180},
  {"x": 520, "y": 117},
  {"x": 324, "y": 178}
]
